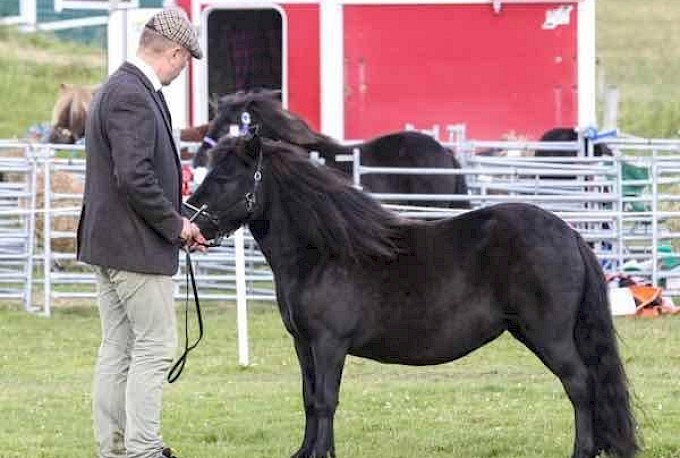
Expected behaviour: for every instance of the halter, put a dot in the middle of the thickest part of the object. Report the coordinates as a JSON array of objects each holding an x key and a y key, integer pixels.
[
  {"x": 209, "y": 141},
  {"x": 250, "y": 204},
  {"x": 251, "y": 197},
  {"x": 203, "y": 210}
]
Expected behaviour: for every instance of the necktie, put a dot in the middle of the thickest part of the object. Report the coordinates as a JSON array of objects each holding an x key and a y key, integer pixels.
[{"x": 165, "y": 105}]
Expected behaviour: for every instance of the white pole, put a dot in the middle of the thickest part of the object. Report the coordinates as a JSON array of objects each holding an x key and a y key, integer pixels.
[
  {"x": 28, "y": 294},
  {"x": 356, "y": 163},
  {"x": 611, "y": 108},
  {"x": 29, "y": 12},
  {"x": 586, "y": 63},
  {"x": 117, "y": 35},
  {"x": 332, "y": 71},
  {"x": 241, "y": 302},
  {"x": 46, "y": 155}
]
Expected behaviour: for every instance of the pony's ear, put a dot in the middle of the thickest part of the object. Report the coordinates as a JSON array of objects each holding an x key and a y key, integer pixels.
[
  {"x": 253, "y": 142},
  {"x": 271, "y": 93}
]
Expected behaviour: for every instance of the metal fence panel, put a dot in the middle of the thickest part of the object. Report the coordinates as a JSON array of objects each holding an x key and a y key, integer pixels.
[{"x": 626, "y": 206}]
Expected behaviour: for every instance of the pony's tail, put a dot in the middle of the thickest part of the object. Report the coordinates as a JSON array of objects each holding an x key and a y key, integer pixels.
[{"x": 614, "y": 426}]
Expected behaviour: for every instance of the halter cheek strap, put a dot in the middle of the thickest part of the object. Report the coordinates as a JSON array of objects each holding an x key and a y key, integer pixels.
[
  {"x": 250, "y": 204},
  {"x": 251, "y": 197}
]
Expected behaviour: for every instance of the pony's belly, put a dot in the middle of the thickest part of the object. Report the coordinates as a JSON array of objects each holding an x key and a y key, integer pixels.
[
  {"x": 427, "y": 348},
  {"x": 404, "y": 359}
]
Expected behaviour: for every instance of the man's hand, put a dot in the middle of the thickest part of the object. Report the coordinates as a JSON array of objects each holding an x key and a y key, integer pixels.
[{"x": 191, "y": 234}]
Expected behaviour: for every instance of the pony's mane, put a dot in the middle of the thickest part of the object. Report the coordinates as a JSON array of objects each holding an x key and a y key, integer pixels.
[
  {"x": 265, "y": 106},
  {"x": 324, "y": 208}
]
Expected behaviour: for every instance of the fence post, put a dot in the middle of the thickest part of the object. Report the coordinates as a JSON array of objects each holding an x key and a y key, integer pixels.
[
  {"x": 611, "y": 108},
  {"x": 356, "y": 175},
  {"x": 241, "y": 300},
  {"x": 30, "y": 242},
  {"x": 618, "y": 163},
  {"x": 46, "y": 154},
  {"x": 654, "y": 172}
]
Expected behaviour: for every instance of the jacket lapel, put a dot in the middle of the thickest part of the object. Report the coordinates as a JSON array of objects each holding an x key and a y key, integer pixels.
[{"x": 159, "y": 103}]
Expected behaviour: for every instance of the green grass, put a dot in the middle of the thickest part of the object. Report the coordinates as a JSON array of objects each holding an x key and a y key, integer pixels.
[
  {"x": 497, "y": 402},
  {"x": 638, "y": 45},
  {"x": 31, "y": 69}
]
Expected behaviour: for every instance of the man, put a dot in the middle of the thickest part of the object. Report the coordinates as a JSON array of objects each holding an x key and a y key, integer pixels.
[{"x": 131, "y": 231}]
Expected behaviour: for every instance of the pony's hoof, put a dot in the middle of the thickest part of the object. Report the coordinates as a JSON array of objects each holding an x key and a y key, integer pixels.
[{"x": 311, "y": 454}]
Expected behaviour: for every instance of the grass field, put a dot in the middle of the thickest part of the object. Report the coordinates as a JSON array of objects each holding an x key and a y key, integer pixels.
[
  {"x": 31, "y": 69},
  {"x": 497, "y": 402},
  {"x": 638, "y": 45}
]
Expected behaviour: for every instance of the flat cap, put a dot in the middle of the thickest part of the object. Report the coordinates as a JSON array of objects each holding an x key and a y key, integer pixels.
[{"x": 174, "y": 25}]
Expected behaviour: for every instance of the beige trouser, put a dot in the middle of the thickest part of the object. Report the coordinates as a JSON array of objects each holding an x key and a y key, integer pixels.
[{"x": 139, "y": 339}]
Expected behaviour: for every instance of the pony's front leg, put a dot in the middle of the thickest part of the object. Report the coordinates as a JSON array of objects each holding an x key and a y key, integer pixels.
[
  {"x": 304, "y": 354},
  {"x": 329, "y": 360}
]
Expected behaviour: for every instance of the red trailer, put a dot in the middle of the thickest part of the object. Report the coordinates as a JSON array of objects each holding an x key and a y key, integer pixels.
[{"x": 356, "y": 69}]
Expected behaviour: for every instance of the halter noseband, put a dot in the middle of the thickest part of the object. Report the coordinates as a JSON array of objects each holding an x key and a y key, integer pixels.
[{"x": 203, "y": 210}]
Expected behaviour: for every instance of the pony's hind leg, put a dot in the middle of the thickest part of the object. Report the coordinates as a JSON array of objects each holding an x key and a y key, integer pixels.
[{"x": 560, "y": 354}]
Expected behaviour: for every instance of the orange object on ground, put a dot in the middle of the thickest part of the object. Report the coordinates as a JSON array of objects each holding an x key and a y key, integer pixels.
[{"x": 650, "y": 302}]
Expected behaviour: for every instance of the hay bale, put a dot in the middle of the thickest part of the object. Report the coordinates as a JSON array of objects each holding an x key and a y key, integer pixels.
[{"x": 61, "y": 182}]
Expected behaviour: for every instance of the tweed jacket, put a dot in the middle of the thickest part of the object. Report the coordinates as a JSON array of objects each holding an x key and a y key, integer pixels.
[{"x": 130, "y": 218}]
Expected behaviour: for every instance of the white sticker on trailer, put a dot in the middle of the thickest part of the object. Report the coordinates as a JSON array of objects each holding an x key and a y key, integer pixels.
[{"x": 557, "y": 17}]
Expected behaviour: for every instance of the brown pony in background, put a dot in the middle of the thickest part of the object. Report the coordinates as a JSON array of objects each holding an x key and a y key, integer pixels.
[{"x": 69, "y": 113}]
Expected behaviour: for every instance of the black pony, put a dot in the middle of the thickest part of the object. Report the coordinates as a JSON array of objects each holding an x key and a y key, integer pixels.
[
  {"x": 401, "y": 149},
  {"x": 354, "y": 278},
  {"x": 568, "y": 134}
]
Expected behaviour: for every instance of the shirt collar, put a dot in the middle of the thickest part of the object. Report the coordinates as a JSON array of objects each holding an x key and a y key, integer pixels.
[{"x": 147, "y": 71}]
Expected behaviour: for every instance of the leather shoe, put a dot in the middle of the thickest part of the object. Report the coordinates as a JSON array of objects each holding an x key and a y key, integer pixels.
[{"x": 167, "y": 453}]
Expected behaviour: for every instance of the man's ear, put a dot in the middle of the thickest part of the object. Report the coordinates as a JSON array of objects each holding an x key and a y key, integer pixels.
[{"x": 178, "y": 51}]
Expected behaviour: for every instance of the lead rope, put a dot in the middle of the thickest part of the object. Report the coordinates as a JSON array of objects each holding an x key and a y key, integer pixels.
[{"x": 178, "y": 367}]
